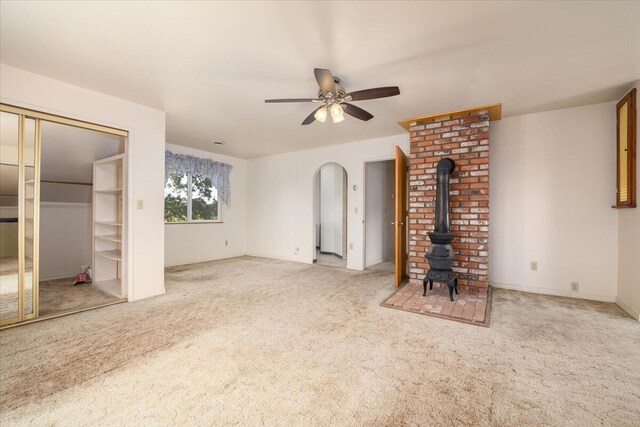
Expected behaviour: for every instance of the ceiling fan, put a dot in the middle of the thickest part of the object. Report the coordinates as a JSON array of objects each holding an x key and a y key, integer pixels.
[{"x": 334, "y": 100}]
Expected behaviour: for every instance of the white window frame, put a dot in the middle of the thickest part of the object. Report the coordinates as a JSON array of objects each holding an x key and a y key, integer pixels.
[{"x": 189, "y": 210}]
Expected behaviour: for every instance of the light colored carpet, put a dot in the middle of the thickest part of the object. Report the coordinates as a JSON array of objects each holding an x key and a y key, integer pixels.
[
  {"x": 251, "y": 341},
  {"x": 330, "y": 260},
  {"x": 61, "y": 295}
]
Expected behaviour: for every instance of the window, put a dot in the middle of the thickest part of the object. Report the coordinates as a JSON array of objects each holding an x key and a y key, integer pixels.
[
  {"x": 626, "y": 151},
  {"x": 190, "y": 198}
]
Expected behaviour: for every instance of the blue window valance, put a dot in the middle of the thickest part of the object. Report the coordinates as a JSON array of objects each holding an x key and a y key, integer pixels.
[{"x": 217, "y": 172}]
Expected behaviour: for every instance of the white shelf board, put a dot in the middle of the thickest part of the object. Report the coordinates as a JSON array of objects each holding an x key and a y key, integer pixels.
[
  {"x": 112, "y": 159},
  {"x": 111, "y": 286},
  {"x": 109, "y": 191},
  {"x": 114, "y": 223},
  {"x": 114, "y": 254},
  {"x": 110, "y": 237}
]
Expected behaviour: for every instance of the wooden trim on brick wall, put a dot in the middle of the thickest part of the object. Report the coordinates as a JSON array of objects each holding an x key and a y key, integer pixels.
[{"x": 495, "y": 113}]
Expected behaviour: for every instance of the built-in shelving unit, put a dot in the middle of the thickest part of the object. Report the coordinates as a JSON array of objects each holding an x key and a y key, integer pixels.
[
  {"x": 114, "y": 254},
  {"x": 110, "y": 237},
  {"x": 110, "y": 223},
  {"x": 108, "y": 214}
]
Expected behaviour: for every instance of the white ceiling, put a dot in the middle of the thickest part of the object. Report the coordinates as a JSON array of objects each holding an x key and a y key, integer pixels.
[
  {"x": 67, "y": 153},
  {"x": 210, "y": 65}
]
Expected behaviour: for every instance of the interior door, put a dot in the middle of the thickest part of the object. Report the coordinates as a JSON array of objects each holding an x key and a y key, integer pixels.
[{"x": 400, "y": 217}]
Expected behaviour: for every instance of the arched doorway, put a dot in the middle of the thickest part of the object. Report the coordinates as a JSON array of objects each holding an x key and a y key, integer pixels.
[{"x": 330, "y": 215}]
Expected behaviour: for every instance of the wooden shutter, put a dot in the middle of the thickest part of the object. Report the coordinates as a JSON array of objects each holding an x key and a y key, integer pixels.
[{"x": 626, "y": 151}]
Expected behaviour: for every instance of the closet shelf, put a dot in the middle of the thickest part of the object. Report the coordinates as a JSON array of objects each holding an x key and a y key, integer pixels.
[
  {"x": 114, "y": 223},
  {"x": 115, "y": 254},
  {"x": 112, "y": 159},
  {"x": 110, "y": 237},
  {"x": 109, "y": 191}
]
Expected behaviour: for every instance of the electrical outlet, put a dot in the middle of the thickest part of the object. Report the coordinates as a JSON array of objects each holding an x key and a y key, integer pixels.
[
  {"x": 356, "y": 210},
  {"x": 297, "y": 249},
  {"x": 534, "y": 265},
  {"x": 226, "y": 243},
  {"x": 575, "y": 286},
  {"x": 350, "y": 245},
  {"x": 140, "y": 204}
]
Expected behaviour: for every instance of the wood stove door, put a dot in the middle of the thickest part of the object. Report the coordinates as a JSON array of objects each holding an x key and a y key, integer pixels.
[{"x": 400, "y": 223}]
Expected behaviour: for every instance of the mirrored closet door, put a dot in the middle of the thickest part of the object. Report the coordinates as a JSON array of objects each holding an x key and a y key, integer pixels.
[
  {"x": 62, "y": 223},
  {"x": 19, "y": 155}
]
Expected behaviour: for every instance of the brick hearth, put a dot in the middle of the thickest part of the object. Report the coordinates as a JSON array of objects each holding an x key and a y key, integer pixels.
[
  {"x": 472, "y": 305},
  {"x": 463, "y": 137}
]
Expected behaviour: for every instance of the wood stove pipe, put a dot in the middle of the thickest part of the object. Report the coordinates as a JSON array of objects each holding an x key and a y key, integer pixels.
[{"x": 444, "y": 169}]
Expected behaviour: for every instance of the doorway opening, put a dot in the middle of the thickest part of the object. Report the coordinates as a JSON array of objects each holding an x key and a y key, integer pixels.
[
  {"x": 72, "y": 193},
  {"x": 380, "y": 213},
  {"x": 381, "y": 187},
  {"x": 330, "y": 215}
]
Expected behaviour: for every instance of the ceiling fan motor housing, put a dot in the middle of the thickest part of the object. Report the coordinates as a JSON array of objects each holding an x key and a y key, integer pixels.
[{"x": 339, "y": 94}]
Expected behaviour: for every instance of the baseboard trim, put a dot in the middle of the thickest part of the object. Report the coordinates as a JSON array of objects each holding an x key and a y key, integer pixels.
[
  {"x": 374, "y": 262},
  {"x": 378, "y": 261},
  {"x": 281, "y": 258},
  {"x": 332, "y": 253},
  {"x": 554, "y": 292},
  {"x": 631, "y": 312},
  {"x": 236, "y": 255}
]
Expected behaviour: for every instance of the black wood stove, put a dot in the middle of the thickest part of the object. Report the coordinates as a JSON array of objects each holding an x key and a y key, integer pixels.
[{"x": 440, "y": 254}]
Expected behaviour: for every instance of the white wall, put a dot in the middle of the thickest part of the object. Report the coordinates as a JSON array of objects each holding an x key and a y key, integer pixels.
[
  {"x": 145, "y": 162},
  {"x": 629, "y": 246},
  {"x": 280, "y": 198},
  {"x": 552, "y": 184},
  {"x": 68, "y": 226},
  {"x": 331, "y": 190},
  {"x": 379, "y": 211},
  {"x": 188, "y": 243},
  {"x": 64, "y": 193}
]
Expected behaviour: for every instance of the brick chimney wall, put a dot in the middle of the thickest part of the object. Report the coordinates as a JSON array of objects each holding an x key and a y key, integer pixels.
[{"x": 465, "y": 139}]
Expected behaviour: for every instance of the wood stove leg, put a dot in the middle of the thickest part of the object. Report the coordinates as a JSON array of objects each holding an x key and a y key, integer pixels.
[
  {"x": 451, "y": 286},
  {"x": 430, "y": 284},
  {"x": 424, "y": 286},
  {"x": 455, "y": 285}
]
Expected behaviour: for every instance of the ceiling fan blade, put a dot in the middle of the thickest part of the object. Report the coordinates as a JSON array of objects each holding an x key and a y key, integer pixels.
[
  {"x": 325, "y": 80},
  {"x": 378, "y": 92},
  {"x": 311, "y": 118},
  {"x": 357, "y": 112},
  {"x": 273, "y": 101}
]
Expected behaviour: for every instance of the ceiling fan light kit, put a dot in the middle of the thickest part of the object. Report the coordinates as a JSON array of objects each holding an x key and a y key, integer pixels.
[
  {"x": 337, "y": 113},
  {"x": 321, "y": 114},
  {"x": 335, "y": 100}
]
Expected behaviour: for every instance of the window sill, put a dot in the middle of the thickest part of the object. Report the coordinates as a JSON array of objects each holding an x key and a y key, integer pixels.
[
  {"x": 194, "y": 222},
  {"x": 623, "y": 206}
]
